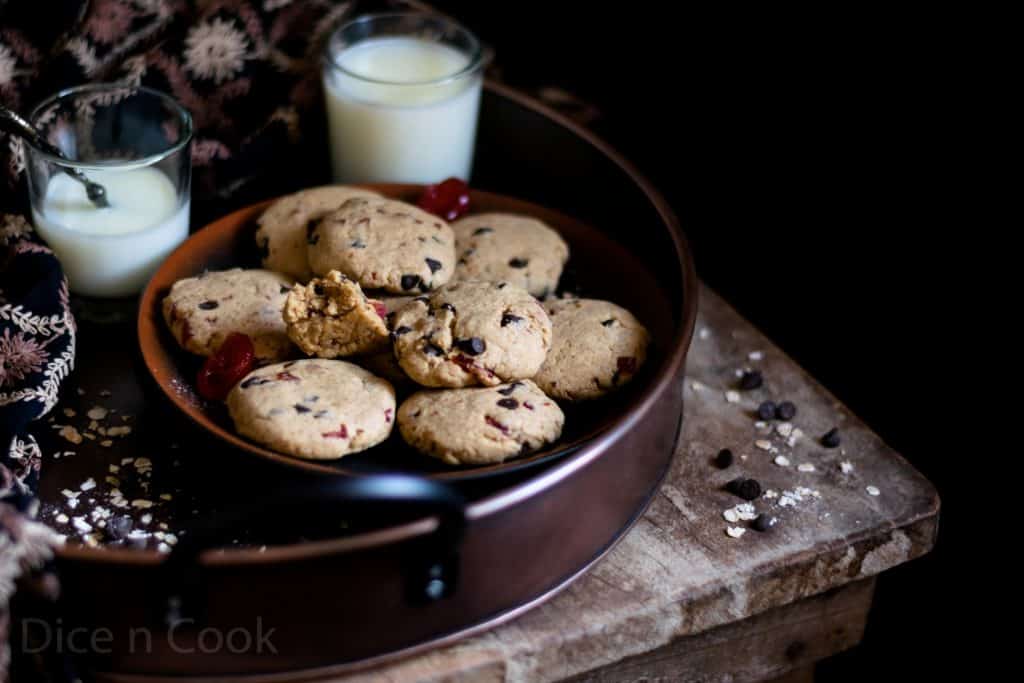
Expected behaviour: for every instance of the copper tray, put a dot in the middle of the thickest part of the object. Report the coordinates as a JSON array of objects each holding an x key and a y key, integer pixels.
[{"x": 437, "y": 561}]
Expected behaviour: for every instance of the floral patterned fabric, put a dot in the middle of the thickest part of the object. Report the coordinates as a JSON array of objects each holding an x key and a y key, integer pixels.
[
  {"x": 248, "y": 72},
  {"x": 37, "y": 351}
]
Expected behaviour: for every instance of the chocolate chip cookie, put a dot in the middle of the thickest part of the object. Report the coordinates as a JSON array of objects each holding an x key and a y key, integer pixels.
[
  {"x": 281, "y": 235},
  {"x": 331, "y": 317},
  {"x": 203, "y": 310},
  {"x": 598, "y": 346},
  {"x": 480, "y": 426},
  {"x": 471, "y": 333},
  {"x": 520, "y": 250},
  {"x": 385, "y": 244},
  {"x": 315, "y": 409}
]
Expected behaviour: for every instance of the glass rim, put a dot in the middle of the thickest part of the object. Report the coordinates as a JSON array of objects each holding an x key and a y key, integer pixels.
[
  {"x": 476, "y": 56},
  {"x": 183, "y": 114}
]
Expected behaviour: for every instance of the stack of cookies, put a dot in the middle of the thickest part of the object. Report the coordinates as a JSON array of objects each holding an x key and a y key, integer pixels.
[{"x": 461, "y": 317}]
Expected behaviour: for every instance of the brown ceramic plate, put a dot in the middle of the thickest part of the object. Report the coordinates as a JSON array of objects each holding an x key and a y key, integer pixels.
[{"x": 599, "y": 267}]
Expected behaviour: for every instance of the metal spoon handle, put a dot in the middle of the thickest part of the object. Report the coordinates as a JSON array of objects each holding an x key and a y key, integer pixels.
[{"x": 12, "y": 123}]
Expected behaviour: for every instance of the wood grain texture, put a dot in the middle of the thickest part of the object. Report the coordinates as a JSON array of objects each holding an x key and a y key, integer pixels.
[
  {"x": 775, "y": 643},
  {"x": 678, "y": 574}
]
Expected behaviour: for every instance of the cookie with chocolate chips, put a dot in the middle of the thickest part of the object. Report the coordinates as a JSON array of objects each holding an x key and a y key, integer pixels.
[
  {"x": 520, "y": 250},
  {"x": 480, "y": 426},
  {"x": 202, "y": 311},
  {"x": 331, "y": 317},
  {"x": 282, "y": 228},
  {"x": 384, "y": 244},
  {"x": 598, "y": 346},
  {"x": 471, "y": 333},
  {"x": 315, "y": 409}
]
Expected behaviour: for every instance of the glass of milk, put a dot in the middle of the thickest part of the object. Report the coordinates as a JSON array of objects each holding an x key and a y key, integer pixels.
[
  {"x": 136, "y": 143},
  {"x": 402, "y": 94}
]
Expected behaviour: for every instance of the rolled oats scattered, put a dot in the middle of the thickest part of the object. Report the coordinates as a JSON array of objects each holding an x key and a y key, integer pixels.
[
  {"x": 735, "y": 531},
  {"x": 805, "y": 467},
  {"x": 71, "y": 434},
  {"x": 873, "y": 490}
]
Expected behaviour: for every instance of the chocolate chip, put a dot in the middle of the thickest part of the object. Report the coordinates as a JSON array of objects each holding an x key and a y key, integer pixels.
[
  {"x": 761, "y": 523},
  {"x": 358, "y": 244},
  {"x": 433, "y": 264},
  {"x": 747, "y": 489},
  {"x": 448, "y": 307},
  {"x": 507, "y": 391},
  {"x": 209, "y": 305},
  {"x": 482, "y": 231},
  {"x": 509, "y": 403},
  {"x": 767, "y": 410},
  {"x": 422, "y": 300},
  {"x": 119, "y": 527},
  {"x": 501, "y": 285},
  {"x": 474, "y": 346},
  {"x": 508, "y": 319},
  {"x": 318, "y": 290},
  {"x": 751, "y": 379},
  {"x": 432, "y": 349},
  {"x": 410, "y": 281},
  {"x": 285, "y": 289},
  {"x": 831, "y": 438},
  {"x": 254, "y": 382},
  {"x": 609, "y": 322},
  {"x": 404, "y": 329},
  {"x": 519, "y": 262},
  {"x": 321, "y": 414},
  {"x": 723, "y": 459},
  {"x": 785, "y": 410},
  {"x": 299, "y": 408}
]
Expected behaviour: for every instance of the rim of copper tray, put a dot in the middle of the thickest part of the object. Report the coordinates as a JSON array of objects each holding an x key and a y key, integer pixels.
[{"x": 516, "y": 493}]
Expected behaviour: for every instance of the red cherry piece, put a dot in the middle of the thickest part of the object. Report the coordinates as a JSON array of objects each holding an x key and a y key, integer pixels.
[
  {"x": 235, "y": 358},
  {"x": 340, "y": 433},
  {"x": 381, "y": 309},
  {"x": 448, "y": 199}
]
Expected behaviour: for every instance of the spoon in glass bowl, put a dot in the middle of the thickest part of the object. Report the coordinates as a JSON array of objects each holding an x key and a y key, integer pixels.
[{"x": 13, "y": 124}]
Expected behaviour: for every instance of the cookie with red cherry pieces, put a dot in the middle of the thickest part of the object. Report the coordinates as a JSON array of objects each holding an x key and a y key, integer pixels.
[
  {"x": 282, "y": 228},
  {"x": 331, "y": 317},
  {"x": 480, "y": 426},
  {"x": 471, "y": 333},
  {"x": 598, "y": 346},
  {"x": 507, "y": 247},
  {"x": 384, "y": 244},
  {"x": 202, "y": 311},
  {"x": 313, "y": 408}
]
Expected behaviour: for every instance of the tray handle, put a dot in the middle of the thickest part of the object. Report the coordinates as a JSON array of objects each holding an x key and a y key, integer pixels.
[{"x": 432, "y": 576}]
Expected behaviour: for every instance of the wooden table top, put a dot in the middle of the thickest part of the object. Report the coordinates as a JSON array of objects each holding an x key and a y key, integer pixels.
[{"x": 679, "y": 573}]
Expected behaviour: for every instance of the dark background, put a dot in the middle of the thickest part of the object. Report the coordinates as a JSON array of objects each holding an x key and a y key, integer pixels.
[{"x": 800, "y": 152}]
